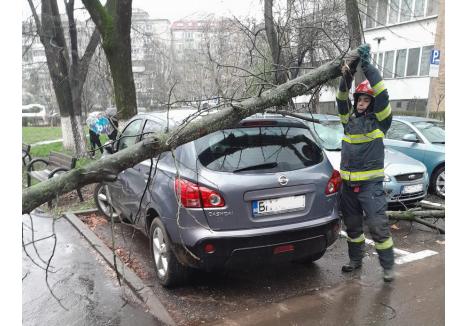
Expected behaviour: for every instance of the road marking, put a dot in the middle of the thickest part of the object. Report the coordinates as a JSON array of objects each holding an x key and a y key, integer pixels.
[{"x": 404, "y": 256}]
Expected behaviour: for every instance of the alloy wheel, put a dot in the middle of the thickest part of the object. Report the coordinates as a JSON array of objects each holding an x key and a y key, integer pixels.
[
  {"x": 160, "y": 252},
  {"x": 440, "y": 183}
]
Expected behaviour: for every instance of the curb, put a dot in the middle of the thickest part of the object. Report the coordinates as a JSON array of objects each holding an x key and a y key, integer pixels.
[{"x": 143, "y": 292}]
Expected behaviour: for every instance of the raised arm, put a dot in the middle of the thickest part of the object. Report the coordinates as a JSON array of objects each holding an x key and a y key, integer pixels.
[
  {"x": 382, "y": 108},
  {"x": 342, "y": 97}
]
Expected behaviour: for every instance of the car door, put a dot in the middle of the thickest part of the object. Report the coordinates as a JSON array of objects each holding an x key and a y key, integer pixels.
[
  {"x": 394, "y": 139},
  {"x": 119, "y": 189},
  {"x": 137, "y": 176}
]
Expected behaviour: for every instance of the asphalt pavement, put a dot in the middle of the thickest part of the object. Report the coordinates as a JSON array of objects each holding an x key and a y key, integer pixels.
[{"x": 81, "y": 289}]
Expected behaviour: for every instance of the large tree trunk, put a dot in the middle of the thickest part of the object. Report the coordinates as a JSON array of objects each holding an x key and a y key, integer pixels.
[
  {"x": 67, "y": 77},
  {"x": 108, "y": 168},
  {"x": 355, "y": 37},
  {"x": 281, "y": 74},
  {"x": 114, "y": 22}
]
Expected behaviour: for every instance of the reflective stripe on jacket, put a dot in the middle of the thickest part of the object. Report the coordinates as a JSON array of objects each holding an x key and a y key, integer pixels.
[{"x": 362, "y": 153}]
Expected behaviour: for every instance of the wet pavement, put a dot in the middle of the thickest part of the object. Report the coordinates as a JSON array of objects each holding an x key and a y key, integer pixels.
[
  {"x": 87, "y": 289},
  {"x": 295, "y": 294}
]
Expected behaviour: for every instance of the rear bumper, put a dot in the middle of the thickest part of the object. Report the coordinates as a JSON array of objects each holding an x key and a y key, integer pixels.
[{"x": 257, "y": 246}]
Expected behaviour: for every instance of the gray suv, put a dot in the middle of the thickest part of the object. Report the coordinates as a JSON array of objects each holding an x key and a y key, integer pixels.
[{"x": 262, "y": 192}]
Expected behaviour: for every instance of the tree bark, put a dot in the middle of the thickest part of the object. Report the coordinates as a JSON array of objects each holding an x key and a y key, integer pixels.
[
  {"x": 109, "y": 167},
  {"x": 355, "y": 37},
  {"x": 113, "y": 22},
  {"x": 280, "y": 75},
  {"x": 67, "y": 76}
]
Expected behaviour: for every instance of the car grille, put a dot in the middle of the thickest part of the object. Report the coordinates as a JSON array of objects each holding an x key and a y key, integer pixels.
[
  {"x": 408, "y": 196},
  {"x": 409, "y": 177}
]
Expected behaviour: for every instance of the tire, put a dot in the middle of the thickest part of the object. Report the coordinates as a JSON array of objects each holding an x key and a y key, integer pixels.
[
  {"x": 307, "y": 260},
  {"x": 101, "y": 202},
  {"x": 169, "y": 271},
  {"x": 437, "y": 185}
]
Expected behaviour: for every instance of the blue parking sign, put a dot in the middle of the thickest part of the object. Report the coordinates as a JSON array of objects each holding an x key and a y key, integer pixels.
[{"x": 435, "y": 57}]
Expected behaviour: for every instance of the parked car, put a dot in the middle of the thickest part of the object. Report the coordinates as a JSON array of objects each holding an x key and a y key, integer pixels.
[
  {"x": 423, "y": 139},
  {"x": 406, "y": 180},
  {"x": 261, "y": 192}
]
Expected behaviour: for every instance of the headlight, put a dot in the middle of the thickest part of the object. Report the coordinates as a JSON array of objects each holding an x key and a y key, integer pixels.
[{"x": 387, "y": 178}]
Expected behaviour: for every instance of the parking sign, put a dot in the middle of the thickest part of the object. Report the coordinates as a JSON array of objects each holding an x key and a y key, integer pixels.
[{"x": 435, "y": 57}]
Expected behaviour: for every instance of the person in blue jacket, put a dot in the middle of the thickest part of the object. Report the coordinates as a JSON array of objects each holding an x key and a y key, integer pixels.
[{"x": 362, "y": 163}]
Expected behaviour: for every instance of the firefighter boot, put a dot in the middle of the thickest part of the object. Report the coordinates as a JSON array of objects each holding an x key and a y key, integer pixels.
[
  {"x": 356, "y": 253},
  {"x": 387, "y": 259}
]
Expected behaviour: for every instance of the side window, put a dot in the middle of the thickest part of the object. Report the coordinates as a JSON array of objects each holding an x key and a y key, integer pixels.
[
  {"x": 150, "y": 127},
  {"x": 130, "y": 134},
  {"x": 398, "y": 130}
]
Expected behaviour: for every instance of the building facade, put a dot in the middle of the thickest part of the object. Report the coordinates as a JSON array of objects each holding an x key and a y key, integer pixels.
[{"x": 402, "y": 36}]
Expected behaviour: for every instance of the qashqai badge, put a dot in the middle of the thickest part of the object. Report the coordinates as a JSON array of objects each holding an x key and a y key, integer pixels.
[{"x": 283, "y": 180}]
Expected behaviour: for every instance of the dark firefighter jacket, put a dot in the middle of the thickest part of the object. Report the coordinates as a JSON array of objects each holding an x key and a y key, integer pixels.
[{"x": 362, "y": 154}]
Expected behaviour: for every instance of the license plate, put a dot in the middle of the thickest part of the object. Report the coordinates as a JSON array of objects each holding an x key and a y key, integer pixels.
[
  {"x": 278, "y": 205},
  {"x": 412, "y": 189}
]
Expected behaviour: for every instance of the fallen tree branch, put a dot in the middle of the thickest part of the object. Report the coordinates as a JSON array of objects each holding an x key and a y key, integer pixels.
[
  {"x": 108, "y": 167},
  {"x": 405, "y": 215},
  {"x": 419, "y": 216}
]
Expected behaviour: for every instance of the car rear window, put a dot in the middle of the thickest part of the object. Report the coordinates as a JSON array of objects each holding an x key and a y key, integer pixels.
[{"x": 269, "y": 149}]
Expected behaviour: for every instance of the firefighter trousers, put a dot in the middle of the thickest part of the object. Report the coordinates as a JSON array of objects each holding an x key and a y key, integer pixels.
[{"x": 366, "y": 203}]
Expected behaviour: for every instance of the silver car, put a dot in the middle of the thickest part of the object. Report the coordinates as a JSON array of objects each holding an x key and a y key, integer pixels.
[
  {"x": 406, "y": 179},
  {"x": 258, "y": 193}
]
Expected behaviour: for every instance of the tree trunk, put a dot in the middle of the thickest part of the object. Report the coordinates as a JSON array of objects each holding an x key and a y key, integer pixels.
[
  {"x": 114, "y": 22},
  {"x": 109, "y": 167},
  {"x": 280, "y": 75},
  {"x": 124, "y": 85},
  {"x": 67, "y": 77},
  {"x": 355, "y": 36}
]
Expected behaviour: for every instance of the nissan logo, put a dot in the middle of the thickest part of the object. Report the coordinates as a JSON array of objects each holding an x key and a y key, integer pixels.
[
  {"x": 411, "y": 177},
  {"x": 283, "y": 180}
]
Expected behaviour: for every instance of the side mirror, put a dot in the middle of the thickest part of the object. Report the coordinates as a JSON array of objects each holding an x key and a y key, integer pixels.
[
  {"x": 410, "y": 138},
  {"x": 109, "y": 147}
]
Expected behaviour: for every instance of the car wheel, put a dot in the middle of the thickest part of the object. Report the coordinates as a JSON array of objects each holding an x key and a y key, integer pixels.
[
  {"x": 307, "y": 260},
  {"x": 168, "y": 269},
  {"x": 102, "y": 204},
  {"x": 438, "y": 182}
]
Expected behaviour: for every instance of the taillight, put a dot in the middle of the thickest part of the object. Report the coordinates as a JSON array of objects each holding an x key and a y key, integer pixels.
[
  {"x": 334, "y": 183},
  {"x": 194, "y": 196}
]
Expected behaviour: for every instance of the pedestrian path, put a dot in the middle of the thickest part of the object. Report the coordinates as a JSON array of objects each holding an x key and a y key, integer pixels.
[
  {"x": 45, "y": 142},
  {"x": 85, "y": 286}
]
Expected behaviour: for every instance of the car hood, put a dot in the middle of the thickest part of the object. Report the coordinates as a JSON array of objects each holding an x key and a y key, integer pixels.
[{"x": 396, "y": 163}]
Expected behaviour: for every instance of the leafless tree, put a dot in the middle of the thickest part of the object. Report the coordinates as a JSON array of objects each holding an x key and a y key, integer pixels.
[{"x": 67, "y": 70}]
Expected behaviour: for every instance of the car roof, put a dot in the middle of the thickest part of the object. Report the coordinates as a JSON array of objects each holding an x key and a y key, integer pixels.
[
  {"x": 177, "y": 116},
  {"x": 409, "y": 118}
]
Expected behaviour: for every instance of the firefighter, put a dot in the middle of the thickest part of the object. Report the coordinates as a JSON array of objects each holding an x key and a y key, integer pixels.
[{"x": 362, "y": 164}]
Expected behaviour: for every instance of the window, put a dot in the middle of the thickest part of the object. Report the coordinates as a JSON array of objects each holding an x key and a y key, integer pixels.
[
  {"x": 413, "y": 62},
  {"x": 406, "y": 9},
  {"x": 371, "y": 13},
  {"x": 398, "y": 130},
  {"x": 400, "y": 63},
  {"x": 432, "y": 7},
  {"x": 419, "y": 8},
  {"x": 130, "y": 134},
  {"x": 388, "y": 67},
  {"x": 273, "y": 149},
  {"x": 382, "y": 13},
  {"x": 393, "y": 11},
  {"x": 152, "y": 126},
  {"x": 425, "y": 60}
]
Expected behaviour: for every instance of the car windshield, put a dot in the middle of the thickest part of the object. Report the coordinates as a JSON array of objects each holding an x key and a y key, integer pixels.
[
  {"x": 434, "y": 131},
  {"x": 271, "y": 149},
  {"x": 328, "y": 134}
]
